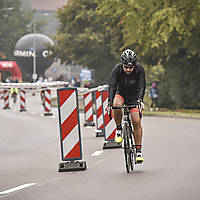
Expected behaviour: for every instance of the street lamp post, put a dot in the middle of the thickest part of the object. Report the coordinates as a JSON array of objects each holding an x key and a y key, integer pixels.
[
  {"x": 34, "y": 76},
  {"x": 34, "y": 54}
]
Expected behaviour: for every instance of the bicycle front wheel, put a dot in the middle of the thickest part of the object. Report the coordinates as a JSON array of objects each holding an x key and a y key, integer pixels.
[{"x": 127, "y": 150}]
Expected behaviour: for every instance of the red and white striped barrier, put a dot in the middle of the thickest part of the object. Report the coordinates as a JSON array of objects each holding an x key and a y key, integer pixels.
[
  {"x": 99, "y": 114},
  {"x": 69, "y": 130},
  {"x": 6, "y": 99},
  {"x": 88, "y": 109},
  {"x": 109, "y": 125},
  {"x": 47, "y": 104},
  {"x": 2, "y": 94},
  {"x": 22, "y": 100},
  {"x": 36, "y": 85}
]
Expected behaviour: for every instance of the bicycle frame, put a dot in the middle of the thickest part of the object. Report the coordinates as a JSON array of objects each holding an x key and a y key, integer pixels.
[{"x": 127, "y": 131}]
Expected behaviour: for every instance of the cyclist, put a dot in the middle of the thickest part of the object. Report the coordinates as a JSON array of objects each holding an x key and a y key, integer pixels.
[
  {"x": 14, "y": 92},
  {"x": 127, "y": 86}
]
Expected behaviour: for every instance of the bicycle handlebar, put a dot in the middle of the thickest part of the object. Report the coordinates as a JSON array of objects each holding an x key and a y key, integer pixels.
[{"x": 121, "y": 107}]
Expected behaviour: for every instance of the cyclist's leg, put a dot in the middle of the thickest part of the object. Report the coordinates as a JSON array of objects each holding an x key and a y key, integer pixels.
[
  {"x": 136, "y": 121},
  {"x": 117, "y": 113}
]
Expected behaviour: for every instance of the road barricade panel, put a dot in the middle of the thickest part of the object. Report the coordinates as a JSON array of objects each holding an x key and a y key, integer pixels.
[
  {"x": 109, "y": 125},
  {"x": 22, "y": 100},
  {"x": 47, "y": 104},
  {"x": 99, "y": 114},
  {"x": 88, "y": 109},
  {"x": 6, "y": 99},
  {"x": 69, "y": 124}
]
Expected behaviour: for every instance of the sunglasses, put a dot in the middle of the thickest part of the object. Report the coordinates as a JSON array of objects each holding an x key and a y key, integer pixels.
[{"x": 128, "y": 66}]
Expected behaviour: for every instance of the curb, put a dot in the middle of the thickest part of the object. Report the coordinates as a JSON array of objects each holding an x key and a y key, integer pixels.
[{"x": 171, "y": 116}]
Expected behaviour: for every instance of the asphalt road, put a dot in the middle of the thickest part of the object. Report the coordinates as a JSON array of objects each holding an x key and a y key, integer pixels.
[{"x": 30, "y": 154}]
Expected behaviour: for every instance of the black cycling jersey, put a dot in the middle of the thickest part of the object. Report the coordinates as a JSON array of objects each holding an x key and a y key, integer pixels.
[{"x": 131, "y": 87}]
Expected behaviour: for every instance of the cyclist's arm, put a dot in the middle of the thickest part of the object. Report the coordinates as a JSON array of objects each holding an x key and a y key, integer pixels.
[
  {"x": 141, "y": 84},
  {"x": 112, "y": 86}
]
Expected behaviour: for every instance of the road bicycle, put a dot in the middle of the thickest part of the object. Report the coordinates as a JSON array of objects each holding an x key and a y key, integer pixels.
[{"x": 127, "y": 135}]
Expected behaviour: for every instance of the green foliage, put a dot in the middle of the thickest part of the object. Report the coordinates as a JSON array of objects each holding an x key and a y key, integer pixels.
[
  {"x": 165, "y": 35},
  {"x": 13, "y": 25},
  {"x": 83, "y": 39}
]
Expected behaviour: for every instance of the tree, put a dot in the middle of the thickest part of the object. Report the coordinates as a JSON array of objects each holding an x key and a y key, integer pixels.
[
  {"x": 176, "y": 30},
  {"x": 13, "y": 25},
  {"x": 163, "y": 33},
  {"x": 82, "y": 38}
]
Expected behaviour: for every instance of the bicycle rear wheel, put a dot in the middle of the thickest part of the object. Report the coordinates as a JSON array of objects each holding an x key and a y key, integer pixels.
[{"x": 127, "y": 150}]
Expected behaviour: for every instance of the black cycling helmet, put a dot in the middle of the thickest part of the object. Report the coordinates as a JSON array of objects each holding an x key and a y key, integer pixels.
[{"x": 129, "y": 57}]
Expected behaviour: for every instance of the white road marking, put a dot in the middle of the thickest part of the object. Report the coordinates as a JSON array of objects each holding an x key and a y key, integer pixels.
[
  {"x": 98, "y": 131},
  {"x": 17, "y": 188},
  {"x": 97, "y": 153}
]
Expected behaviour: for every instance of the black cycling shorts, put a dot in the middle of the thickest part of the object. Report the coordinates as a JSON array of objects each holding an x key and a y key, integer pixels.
[{"x": 128, "y": 100}]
